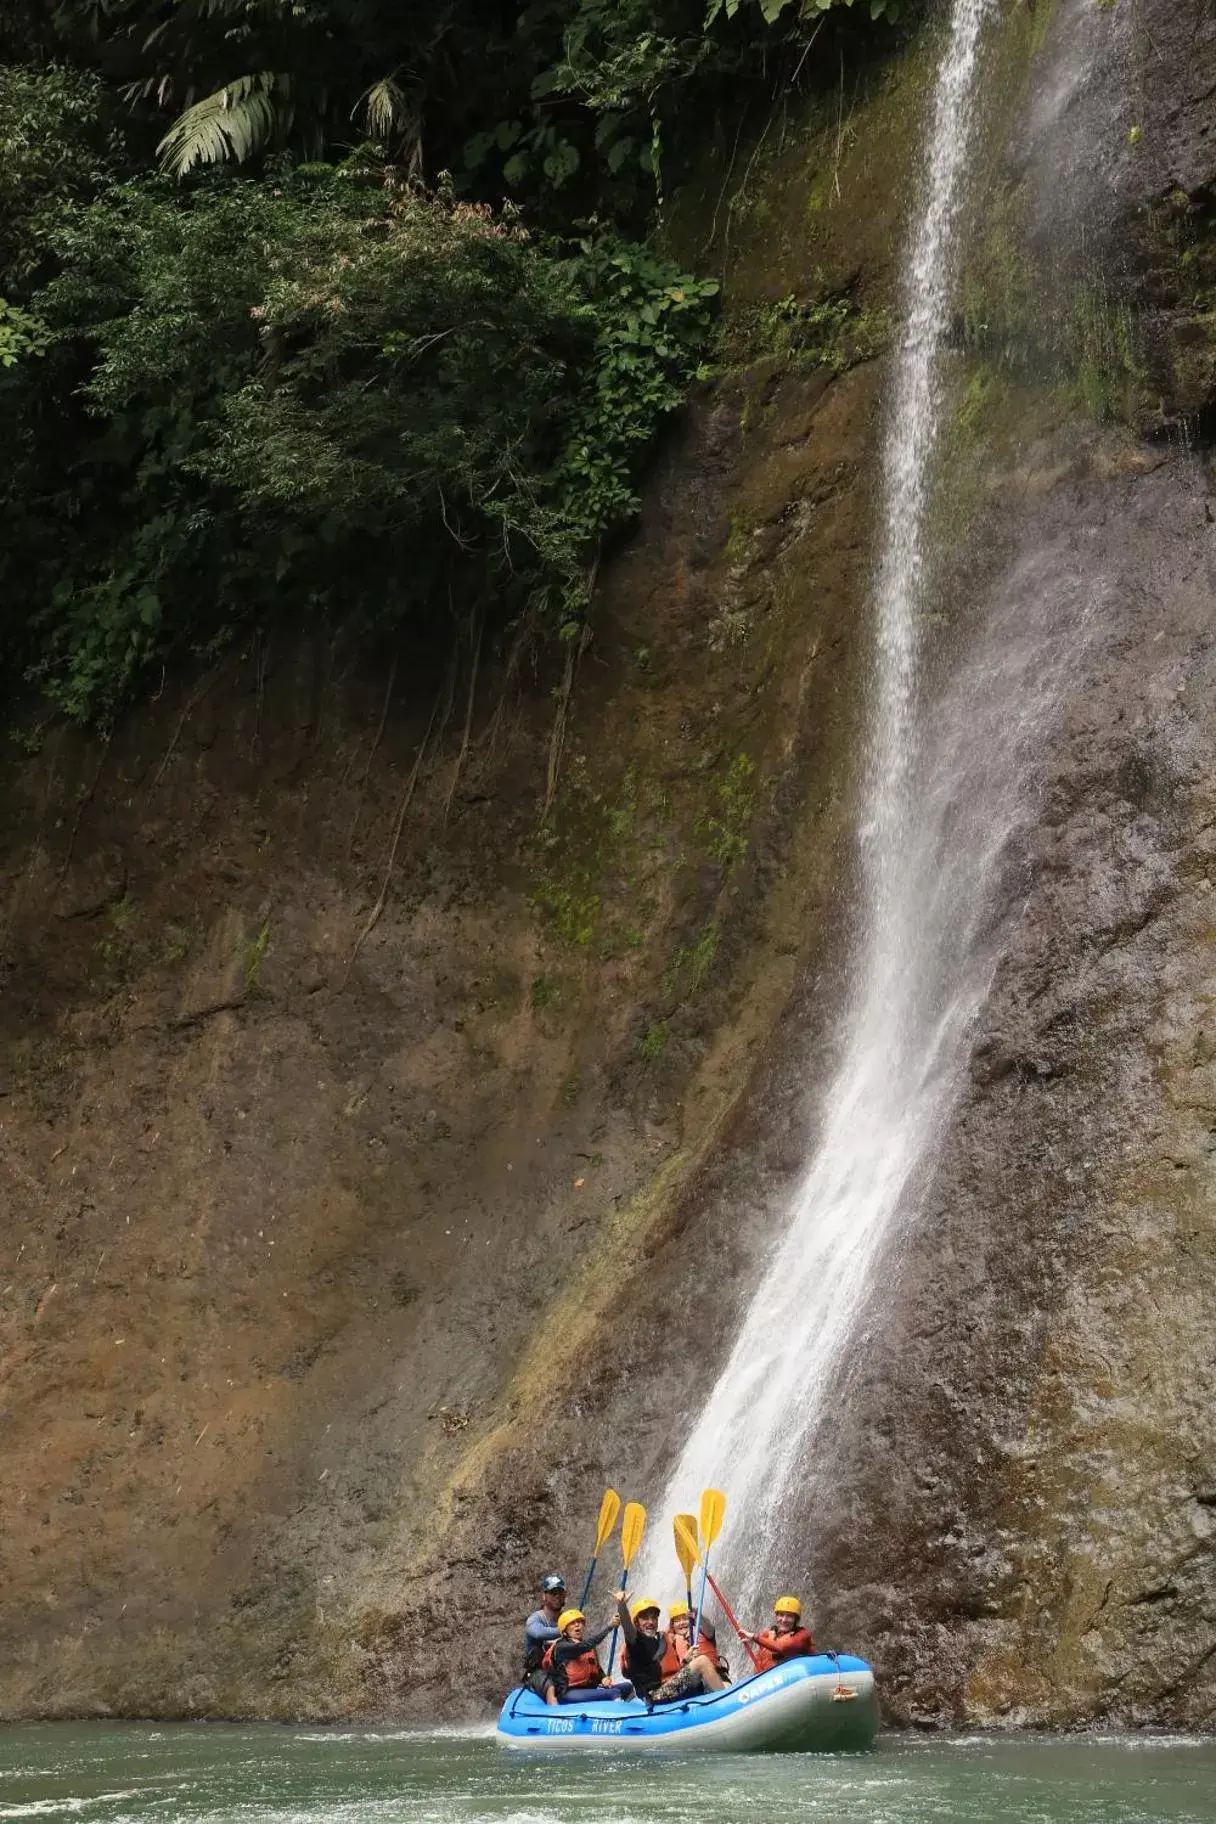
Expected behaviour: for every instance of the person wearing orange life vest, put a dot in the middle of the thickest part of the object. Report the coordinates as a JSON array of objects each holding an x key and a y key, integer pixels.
[
  {"x": 573, "y": 1664},
  {"x": 660, "y": 1664},
  {"x": 786, "y": 1639},
  {"x": 700, "y": 1670},
  {"x": 679, "y": 1627},
  {"x": 675, "y": 1650}
]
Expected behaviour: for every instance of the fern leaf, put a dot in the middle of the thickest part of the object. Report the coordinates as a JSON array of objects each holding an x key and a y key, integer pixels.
[{"x": 229, "y": 125}]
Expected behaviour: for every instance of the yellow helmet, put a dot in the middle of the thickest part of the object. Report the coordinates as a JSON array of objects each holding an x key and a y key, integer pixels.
[
  {"x": 787, "y": 1605},
  {"x": 567, "y": 1616},
  {"x": 640, "y": 1604},
  {"x": 677, "y": 1609}
]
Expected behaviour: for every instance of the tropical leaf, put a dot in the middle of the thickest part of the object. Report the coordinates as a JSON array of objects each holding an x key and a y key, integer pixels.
[
  {"x": 230, "y": 125},
  {"x": 384, "y": 107}
]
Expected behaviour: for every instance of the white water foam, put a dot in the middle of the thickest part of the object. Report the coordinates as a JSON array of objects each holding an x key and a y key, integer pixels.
[{"x": 942, "y": 796}]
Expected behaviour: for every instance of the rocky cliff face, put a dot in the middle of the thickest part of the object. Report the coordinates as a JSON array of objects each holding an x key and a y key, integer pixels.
[{"x": 384, "y": 1173}]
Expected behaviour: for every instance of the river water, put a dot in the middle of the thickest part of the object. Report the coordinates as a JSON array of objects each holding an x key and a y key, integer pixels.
[{"x": 215, "y": 1773}]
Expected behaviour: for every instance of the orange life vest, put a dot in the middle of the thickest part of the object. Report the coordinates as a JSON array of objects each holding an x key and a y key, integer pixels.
[
  {"x": 675, "y": 1652},
  {"x": 773, "y": 1649},
  {"x": 584, "y": 1669}
]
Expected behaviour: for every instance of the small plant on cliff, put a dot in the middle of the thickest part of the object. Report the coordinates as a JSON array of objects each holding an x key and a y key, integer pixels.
[
  {"x": 690, "y": 967},
  {"x": 725, "y": 826},
  {"x": 653, "y": 1042},
  {"x": 254, "y": 955}
]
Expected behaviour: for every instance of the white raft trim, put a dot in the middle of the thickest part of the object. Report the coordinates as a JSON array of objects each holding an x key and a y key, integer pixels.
[{"x": 790, "y": 1707}]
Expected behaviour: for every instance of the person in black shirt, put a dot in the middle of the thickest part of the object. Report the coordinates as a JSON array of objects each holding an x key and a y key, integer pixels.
[{"x": 642, "y": 1660}]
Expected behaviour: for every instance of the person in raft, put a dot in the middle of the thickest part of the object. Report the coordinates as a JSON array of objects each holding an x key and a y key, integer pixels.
[
  {"x": 573, "y": 1664},
  {"x": 680, "y": 1627},
  {"x": 540, "y": 1630},
  {"x": 661, "y": 1665},
  {"x": 786, "y": 1639},
  {"x": 648, "y": 1656}
]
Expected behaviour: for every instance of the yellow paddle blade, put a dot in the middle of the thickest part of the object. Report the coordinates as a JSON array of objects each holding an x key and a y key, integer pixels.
[
  {"x": 713, "y": 1513},
  {"x": 610, "y": 1507},
  {"x": 685, "y": 1528},
  {"x": 632, "y": 1527}
]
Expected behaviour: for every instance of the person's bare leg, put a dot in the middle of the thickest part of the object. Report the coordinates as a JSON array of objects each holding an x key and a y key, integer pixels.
[
  {"x": 550, "y": 1694},
  {"x": 710, "y": 1675}
]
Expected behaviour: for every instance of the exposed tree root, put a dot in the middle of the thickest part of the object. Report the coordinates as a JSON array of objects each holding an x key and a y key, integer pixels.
[
  {"x": 86, "y": 800},
  {"x": 441, "y": 712},
  {"x": 520, "y": 642},
  {"x": 463, "y": 755},
  {"x": 557, "y": 738},
  {"x": 388, "y": 694},
  {"x": 191, "y": 704}
]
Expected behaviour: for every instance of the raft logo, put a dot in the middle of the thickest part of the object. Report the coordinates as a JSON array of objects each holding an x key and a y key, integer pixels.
[
  {"x": 746, "y": 1696},
  {"x": 560, "y": 1728},
  {"x": 598, "y": 1728}
]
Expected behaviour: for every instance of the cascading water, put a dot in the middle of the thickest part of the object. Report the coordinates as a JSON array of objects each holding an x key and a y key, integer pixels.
[{"x": 941, "y": 798}]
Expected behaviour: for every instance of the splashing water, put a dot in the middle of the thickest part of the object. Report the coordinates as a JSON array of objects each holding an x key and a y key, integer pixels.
[{"x": 940, "y": 805}]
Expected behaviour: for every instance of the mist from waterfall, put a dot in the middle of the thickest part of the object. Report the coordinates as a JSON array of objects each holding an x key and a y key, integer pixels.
[{"x": 942, "y": 794}]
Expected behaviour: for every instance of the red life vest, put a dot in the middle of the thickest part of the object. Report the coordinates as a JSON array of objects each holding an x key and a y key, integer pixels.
[{"x": 773, "y": 1649}]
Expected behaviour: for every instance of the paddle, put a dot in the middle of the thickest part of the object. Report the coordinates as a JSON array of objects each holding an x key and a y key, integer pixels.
[
  {"x": 713, "y": 1513},
  {"x": 685, "y": 1528},
  {"x": 610, "y": 1507},
  {"x": 688, "y": 1540},
  {"x": 632, "y": 1526},
  {"x": 684, "y": 1531}
]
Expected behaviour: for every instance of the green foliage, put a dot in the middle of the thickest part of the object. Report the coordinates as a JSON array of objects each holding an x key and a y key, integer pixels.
[
  {"x": 724, "y": 828},
  {"x": 254, "y": 955},
  {"x": 982, "y": 398},
  {"x": 321, "y": 374},
  {"x": 571, "y": 907},
  {"x": 1013, "y": 321},
  {"x": 653, "y": 1042},
  {"x": 230, "y": 125},
  {"x": 55, "y": 149},
  {"x": 690, "y": 967},
  {"x": 544, "y": 993},
  {"x": 21, "y": 333},
  {"x": 833, "y": 333},
  {"x": 1109, "y": 370},
  {"x": 256, "y": 365},
  {"x": 772, "y": 10}
]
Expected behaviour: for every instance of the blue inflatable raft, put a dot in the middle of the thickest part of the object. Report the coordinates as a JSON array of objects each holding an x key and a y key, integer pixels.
[{"x": 827, "y": 1701}]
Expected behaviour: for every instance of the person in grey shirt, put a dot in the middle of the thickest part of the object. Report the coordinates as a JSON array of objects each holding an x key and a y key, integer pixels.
[{"x": 541, "y": 1628}]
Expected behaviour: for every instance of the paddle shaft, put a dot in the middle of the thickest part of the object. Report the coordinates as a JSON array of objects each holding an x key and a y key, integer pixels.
[
  {"x": 582, "y": 1601},
  {"x": 696, "y": 1633},
  {"x": 616, "y": 1631},
  {"x": 730, "y": 1616}
]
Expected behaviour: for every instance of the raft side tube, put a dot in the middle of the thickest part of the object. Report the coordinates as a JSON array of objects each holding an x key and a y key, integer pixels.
[{"x": 798, "y": 1707}]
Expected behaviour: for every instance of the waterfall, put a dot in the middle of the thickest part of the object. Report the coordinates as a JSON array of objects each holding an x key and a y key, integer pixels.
[{"x": 939, "y": 803}]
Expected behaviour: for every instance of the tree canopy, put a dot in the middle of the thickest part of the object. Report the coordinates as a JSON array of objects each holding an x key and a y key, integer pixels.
[{"x": 339, "y": 310}]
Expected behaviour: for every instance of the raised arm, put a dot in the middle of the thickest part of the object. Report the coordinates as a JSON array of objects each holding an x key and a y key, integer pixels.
[{"x": 625, "y": 1620}]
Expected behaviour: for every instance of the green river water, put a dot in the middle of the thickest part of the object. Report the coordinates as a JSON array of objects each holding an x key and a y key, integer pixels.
[{"x": 208, "y": 1773}]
